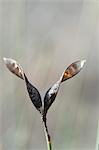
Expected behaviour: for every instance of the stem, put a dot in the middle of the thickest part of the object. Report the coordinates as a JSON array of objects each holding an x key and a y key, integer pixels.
[{"x": 48, "y": 138}]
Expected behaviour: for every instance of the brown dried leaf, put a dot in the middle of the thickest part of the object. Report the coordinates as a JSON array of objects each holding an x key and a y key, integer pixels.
[{"x": 73, "y": 69}]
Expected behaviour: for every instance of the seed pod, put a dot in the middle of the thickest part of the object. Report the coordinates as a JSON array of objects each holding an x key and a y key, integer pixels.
[
  {"x": 14, "y": 67},
  {"x": 51, "y": 94}
]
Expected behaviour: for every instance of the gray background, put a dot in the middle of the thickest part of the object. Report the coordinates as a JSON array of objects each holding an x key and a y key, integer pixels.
[{"x": 45, "y": 37}]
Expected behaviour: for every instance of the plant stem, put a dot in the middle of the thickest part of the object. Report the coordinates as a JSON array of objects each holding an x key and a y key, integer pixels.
[{"x": 48, "y": 138}]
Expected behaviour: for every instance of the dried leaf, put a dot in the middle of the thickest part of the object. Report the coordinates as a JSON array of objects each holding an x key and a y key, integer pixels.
[
  {"x": 51, "y": 94},
  {"x": 73, "y": 69},
  {"x": 14, "y": 67},
  {"x": 34, "y": 95}
]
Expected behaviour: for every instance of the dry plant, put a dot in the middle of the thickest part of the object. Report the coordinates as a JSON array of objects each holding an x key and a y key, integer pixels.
[{"x": 43, "y": 106}]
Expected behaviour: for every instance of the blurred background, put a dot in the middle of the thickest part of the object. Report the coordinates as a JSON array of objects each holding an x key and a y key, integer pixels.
[{"x": 45, "y": 37}]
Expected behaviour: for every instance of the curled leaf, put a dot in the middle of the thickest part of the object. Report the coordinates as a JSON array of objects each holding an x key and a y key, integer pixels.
[{"x": 14, "y": 67}]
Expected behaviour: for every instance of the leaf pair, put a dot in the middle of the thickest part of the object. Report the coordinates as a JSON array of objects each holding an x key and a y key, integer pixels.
[{"x": 50, "y": 95}]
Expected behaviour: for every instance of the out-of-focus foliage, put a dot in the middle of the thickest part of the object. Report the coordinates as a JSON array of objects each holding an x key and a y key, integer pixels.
[{"x": 46, "y": 37}]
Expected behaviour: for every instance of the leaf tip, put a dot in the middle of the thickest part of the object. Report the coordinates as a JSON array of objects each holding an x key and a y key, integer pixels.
[
  {"x": 5, "y": 60},
  {"x": 83, "y": 62},
  {"x": 14, "y": 67}
]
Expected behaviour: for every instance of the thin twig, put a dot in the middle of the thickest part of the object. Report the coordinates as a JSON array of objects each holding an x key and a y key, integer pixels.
[{"x": 48, "y": 138}]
